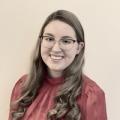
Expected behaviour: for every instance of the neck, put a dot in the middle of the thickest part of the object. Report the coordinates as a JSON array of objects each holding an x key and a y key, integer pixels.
[{"x": 54, "y": 74}]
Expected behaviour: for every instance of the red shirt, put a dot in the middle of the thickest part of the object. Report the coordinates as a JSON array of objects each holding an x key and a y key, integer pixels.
[{"x": 92, "y": 101}]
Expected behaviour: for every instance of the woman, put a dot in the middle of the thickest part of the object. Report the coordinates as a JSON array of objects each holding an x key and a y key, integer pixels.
[{"x": 56, "y": 88}]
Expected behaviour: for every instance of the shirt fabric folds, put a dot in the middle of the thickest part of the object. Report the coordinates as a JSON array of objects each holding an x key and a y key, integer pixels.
[{"x": 91, "y": 102}]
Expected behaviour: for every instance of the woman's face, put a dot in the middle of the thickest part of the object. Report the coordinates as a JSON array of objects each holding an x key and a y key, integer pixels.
[{"x": 58, "y": 58}]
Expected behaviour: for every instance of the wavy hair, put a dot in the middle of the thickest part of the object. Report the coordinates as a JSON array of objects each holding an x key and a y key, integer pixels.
[{"x": 65, "y": 100}]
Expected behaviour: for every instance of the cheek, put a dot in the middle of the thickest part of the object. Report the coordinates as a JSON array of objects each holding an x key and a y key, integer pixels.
[
  {"x": 44, "y": 53},
  {"x": 71, "y": 54},
  {"x": 70, "y": 58}
]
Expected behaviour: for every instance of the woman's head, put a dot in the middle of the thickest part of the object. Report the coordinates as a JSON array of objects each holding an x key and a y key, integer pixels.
[{"x": 62, "y": 40}]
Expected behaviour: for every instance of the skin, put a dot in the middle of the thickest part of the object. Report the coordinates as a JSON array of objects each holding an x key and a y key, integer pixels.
[{"x": 58, "y": 29}]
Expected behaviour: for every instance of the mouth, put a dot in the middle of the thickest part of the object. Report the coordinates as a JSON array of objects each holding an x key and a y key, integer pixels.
[{"x": 56, "y": 57}]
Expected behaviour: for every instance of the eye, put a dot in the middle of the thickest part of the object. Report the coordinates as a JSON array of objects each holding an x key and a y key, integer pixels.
[
  {"x": 67, "y": 41},
  {"x": 48, "y": 38}
]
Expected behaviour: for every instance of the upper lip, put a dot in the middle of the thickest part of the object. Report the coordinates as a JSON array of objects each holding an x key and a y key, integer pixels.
[{"x": 57, "y": 55}]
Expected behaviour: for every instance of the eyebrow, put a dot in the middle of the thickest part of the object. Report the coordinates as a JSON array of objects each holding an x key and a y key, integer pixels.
[
  {"x": 63, "y": 37},
  {"x": 49, "y": 34}
]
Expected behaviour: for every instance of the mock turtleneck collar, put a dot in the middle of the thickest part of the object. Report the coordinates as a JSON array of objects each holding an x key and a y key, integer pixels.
[{"x": 55, "y": 81}]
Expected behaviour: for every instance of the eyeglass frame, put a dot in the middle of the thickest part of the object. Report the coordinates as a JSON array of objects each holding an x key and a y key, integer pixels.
[{"x": 41, "y": 37}]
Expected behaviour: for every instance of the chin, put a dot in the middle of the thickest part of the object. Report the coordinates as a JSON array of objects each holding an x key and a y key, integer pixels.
[{"x": 56, "y": 70}]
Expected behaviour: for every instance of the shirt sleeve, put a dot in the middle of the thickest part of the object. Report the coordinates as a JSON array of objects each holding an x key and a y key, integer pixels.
[
  {"x": 92, "y": 101},
  {"x": 16, "y": 93},
  {"x": 95, "y": 103}
]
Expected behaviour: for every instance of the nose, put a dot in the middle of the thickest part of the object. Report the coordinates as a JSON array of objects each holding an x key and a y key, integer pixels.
[{"x": 56, "y": 47}]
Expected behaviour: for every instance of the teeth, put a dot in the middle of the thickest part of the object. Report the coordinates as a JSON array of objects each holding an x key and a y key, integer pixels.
[{"x": 56, "y": 57}]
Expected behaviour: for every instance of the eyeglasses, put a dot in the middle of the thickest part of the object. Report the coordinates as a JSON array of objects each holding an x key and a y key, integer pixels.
[{"x": 64, "y": 43}]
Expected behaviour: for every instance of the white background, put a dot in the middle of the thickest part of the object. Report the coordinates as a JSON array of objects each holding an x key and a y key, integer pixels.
[{"x": 20, "y": 23}]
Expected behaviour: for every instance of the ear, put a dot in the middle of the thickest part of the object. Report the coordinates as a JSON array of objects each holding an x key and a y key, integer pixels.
[{"x": 80, "y": 46}]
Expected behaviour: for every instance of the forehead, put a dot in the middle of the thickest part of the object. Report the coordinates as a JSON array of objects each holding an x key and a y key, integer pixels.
[{"x": 59, "y": 28}]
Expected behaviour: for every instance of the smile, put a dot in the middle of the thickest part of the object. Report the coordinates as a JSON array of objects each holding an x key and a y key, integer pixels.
[{"x": 56, "y": 57}]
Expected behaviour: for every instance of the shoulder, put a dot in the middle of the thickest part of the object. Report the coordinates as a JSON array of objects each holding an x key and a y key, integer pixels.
[
  {"x": 90, "y": 86},
  {"x": 92, "y": 100},
  {"x": 17, "y": 89},
  {"x": 16, "y": 93},
  {"x": 21, "y": 80},
  {"x": 91, "y": 94}
]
